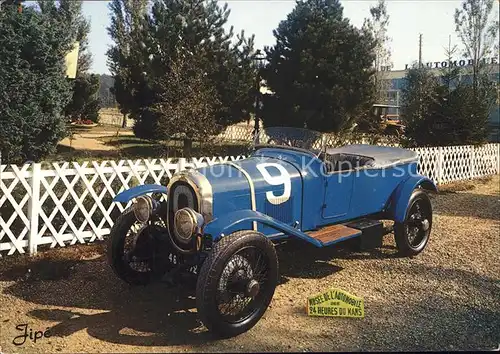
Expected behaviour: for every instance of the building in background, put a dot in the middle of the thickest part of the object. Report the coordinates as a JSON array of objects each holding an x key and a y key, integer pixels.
[{"x": 397, "y": 83}]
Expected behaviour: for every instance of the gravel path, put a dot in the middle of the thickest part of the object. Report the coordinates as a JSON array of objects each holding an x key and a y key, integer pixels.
[{"x": 447, "y": 298}]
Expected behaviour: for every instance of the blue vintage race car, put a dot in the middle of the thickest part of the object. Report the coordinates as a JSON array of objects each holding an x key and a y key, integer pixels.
[{"x": 218, "y": 223}]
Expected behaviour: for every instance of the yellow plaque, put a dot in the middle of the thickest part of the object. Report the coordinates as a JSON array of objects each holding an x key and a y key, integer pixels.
[
  {"x": 72, "y": 61},
  {"x": 335, "y": 303}
]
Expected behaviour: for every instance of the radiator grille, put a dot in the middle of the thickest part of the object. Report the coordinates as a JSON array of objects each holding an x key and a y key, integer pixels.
[{"x": 282, "y": 212}]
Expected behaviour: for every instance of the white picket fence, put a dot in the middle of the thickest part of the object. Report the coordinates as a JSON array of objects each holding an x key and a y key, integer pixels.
[{"x": 68, "y": 203}]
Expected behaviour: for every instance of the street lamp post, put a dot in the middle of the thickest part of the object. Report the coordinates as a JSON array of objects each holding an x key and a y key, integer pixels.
[{"x": 258, "y": 58}]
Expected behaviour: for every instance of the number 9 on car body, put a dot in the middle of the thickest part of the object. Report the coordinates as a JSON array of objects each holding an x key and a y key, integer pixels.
[{"x": 282, "y": 179}]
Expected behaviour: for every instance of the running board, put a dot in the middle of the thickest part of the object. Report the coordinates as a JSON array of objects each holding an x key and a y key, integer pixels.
[
  {"x": 334, "y": 233},
  {"x": 370, "y": 232}
]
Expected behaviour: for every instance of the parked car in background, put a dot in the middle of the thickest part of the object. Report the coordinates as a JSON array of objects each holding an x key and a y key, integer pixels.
[{"x": 389, "y": 118}]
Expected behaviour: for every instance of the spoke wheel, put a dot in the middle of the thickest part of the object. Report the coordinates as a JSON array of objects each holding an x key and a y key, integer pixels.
[
  {"x": 412, "y": 235},
  {"x": 139, "y": 253},
  {"x": 242, "y": 285},
  {"x": 236, "y": 283}
]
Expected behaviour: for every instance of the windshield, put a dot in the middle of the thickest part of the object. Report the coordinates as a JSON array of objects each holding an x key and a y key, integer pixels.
[{"x": 300, "y": 138}]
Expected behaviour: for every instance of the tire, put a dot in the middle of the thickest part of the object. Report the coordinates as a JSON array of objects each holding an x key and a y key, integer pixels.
[
  {"x": 407, "y": 247},
  {"x": 115, "y": 252},
  {"x": 221, "y": 261}
]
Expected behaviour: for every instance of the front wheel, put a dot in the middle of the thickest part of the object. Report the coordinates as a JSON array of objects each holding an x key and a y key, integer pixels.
[
  {"x": 413, "y": 233},
  {"x": 139, "y": 253},
  {"x": 236, "y": 283}
]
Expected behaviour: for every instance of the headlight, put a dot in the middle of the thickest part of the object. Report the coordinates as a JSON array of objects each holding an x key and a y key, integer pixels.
[
  {"x": 143, "y": 208},
  {"x": 186, "y": 221}
]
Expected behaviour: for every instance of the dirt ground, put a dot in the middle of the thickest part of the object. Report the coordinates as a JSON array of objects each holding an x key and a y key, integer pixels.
[
  {"x": 89, "y": 138},
  {"x": 447, "y": 298}
]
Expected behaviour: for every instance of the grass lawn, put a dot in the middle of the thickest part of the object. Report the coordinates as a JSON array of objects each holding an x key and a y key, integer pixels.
[{"x": 105, "y": 142}]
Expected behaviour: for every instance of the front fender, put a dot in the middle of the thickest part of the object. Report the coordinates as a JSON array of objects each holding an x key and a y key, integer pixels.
[
  {"x": 218, "y": 228},
  {"x": 129, "y": 194},
  {"x": 401, "y": 196}
]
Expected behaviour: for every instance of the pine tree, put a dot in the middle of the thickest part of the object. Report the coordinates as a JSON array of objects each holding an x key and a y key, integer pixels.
[
  {"x": 85, "y": 101},
  {"x": 35, "y": 90},
  {"x": 417, "y": 94},
  {"x": 478, "y": 30},
  {"x": 441, "y": 112},
  {"x": 126, "y": 56},
  {"x": 478, "y": 33},
  {"x": 187, "y": 34},
  {"x": 185, "y": 96},
  {"x": 320, "y": 69},
  {"x": 377, "y": 25},
  {"x": 450, "y": 74},
  {"x": 106, "y": 96}
]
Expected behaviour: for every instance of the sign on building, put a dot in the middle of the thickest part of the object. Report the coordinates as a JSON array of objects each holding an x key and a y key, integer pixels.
[{"x": 455, "y": 63}]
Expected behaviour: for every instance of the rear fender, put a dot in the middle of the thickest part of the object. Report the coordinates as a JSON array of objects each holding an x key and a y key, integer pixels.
[
  {"x": 401, "y": 196},
  {"x": 129, "y": 194},
  {"x": 218, "y": 228}
]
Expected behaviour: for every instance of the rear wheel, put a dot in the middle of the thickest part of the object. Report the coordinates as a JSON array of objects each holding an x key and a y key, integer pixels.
[
  {"x": 412, "y": 235},
  {"x": 139, "y": 253},
  {"x": 236, "y": 283}
]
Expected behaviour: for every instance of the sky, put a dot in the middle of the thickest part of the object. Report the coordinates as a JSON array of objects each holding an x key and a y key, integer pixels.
[{"x": 434, "y": 19}]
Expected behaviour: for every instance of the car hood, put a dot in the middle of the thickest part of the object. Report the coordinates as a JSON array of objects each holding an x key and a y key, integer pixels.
[{"x": 265, "y": 184}]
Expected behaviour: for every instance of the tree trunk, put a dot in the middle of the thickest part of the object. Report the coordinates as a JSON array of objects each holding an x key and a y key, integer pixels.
[
  {"x": 124, "y": 121},
  {"x": 188, "y": 145}
]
